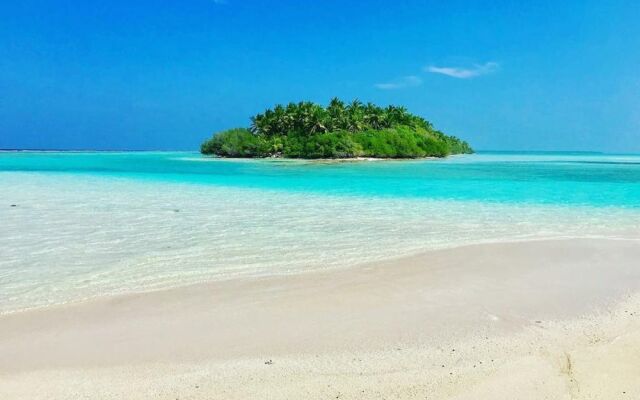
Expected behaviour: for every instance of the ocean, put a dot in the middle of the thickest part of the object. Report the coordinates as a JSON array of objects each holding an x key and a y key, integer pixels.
[{"x": 76, "y": 225}]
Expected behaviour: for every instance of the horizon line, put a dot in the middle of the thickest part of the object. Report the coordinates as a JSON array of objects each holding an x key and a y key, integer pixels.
[{"x": 90, "y": 150}]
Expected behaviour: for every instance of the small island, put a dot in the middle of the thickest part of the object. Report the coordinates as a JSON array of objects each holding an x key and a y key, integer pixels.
[{"x": 310, "y": 131}]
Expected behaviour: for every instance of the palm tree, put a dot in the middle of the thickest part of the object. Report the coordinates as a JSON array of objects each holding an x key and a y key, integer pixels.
[
  {"x": 337, "y": 117},
  {"x": 355, "y": 121},
  {"x": 309, "y": 118}
]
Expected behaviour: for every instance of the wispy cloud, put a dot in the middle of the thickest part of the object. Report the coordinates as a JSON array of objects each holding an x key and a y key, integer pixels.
[
  {"x": 401, "y": 83},
  {"x": 465, "y": 73}
]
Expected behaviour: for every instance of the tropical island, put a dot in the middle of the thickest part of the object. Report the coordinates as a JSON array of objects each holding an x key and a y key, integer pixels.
[{"x": 340, "y": 130}]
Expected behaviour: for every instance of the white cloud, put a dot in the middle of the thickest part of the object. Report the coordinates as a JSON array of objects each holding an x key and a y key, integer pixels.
[
  {"x": 404, "y": 82},
  {"x": 465, "y": 73}
]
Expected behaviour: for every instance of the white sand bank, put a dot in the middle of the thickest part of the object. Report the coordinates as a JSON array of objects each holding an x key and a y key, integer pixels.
[{"x": 535, "y": 320}]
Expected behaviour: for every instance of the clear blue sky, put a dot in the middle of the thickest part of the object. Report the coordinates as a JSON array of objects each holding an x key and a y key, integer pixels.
[{"x": 152, "y": 74}]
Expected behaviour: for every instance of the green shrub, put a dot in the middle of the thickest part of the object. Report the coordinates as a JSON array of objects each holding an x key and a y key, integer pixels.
[
  {"x": 400, "y": 142},
  {"x": 238, "y": 142}
]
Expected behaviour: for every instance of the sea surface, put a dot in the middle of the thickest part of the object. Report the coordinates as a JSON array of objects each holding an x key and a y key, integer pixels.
[{"x": 75, "y": 225}]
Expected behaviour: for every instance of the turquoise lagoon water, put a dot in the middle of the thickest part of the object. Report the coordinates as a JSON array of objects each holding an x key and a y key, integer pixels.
[{"x": 90, "y": 224}]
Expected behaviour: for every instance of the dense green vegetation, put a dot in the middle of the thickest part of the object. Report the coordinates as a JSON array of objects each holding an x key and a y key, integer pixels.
[{"x": 308, "y": 130}]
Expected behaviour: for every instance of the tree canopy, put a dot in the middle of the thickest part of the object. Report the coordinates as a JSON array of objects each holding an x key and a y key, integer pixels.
[{"x": 340, "y": 130}]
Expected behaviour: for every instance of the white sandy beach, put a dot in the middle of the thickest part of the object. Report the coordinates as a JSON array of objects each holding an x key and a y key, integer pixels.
[{"x": 534, "y": 320}]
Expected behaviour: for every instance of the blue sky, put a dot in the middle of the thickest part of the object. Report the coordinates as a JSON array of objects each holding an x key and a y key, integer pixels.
[{"x": 537, "y": 75}]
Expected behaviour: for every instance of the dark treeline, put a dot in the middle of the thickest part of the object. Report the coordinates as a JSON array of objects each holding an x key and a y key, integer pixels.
[{"x": 308, "y": 130}]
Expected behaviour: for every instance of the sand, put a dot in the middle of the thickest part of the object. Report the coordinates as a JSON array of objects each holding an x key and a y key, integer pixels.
[{"x": 557, "y": 319}]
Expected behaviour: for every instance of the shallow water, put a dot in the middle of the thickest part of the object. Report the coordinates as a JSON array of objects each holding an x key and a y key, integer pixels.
[{"x": 89, "y": 224}]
